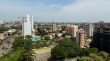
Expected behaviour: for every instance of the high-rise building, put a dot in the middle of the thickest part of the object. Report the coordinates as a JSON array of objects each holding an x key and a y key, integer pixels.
[
  {"x": 27, "y": 25},
  {"x": 80, "y": 38},
  {"x": 32, "y": 23},
  {"x": 101, "y": 38},
  {"x": 88, "y": 28},
  {"x": 72, "y": 29}
]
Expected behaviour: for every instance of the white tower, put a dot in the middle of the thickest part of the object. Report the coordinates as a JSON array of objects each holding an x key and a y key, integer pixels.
[
  {"x": 32, "y": 23},
  {"x": 27, "y": 25}
]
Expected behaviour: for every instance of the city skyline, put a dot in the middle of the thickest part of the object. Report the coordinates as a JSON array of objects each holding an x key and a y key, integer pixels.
[{"x": 56, "y": 10}]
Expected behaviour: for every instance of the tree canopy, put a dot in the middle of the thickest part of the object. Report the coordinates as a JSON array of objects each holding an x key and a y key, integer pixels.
[{"x": 66, "y": 47}]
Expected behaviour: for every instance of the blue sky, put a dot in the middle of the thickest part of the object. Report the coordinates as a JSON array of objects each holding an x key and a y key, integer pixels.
[{"x": 56, "y": 10}]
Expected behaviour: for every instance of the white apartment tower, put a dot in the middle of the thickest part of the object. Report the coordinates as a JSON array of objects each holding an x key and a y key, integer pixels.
[
  {"x": 91, "y": 29},
  {"x": 27, "y": 25},
  {"x": 88, "y": 28}
]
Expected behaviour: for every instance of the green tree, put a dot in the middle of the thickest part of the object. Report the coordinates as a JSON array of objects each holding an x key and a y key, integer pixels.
[
  {"x": 2, "y": 29},
  {"x": 73, "y": 39},
  {"x": 19, "y": 42},
  {"x": 66, "y": 45},
  {"x": 13, "y": 55},
  {"x": 26, "y": 56},
  {"x": 87, "y": 51},
  {"x": 41, "y": 32},
  {"x": 93, "y": 50},
  {"x": 71, "y": 47},
  {"x": 28, "y": 37},
  {"x": 46, "y": 37},
  {"x": 58, "y": 52},
  {"x": 28, "y": 45},
  {"x": 83, "y": 52}
]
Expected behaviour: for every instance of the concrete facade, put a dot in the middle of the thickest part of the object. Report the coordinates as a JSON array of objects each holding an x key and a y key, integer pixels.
[
  {"x": 72, "y": 29},
  {"x": 80, "y": 38},
  {"x": 27, "y": 25}
]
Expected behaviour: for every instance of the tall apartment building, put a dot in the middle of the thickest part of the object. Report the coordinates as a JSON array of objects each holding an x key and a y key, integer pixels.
[
  {"x": 27, "y": 25},
  {"x": 72, "y": 29},
  {"x": 88, "y": 28},
  {"x": 101, "y": 39},
  {"x": 80, "y": 38}
]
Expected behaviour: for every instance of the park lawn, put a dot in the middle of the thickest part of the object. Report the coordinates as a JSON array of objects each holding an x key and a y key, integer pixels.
[{"x": 42, "y": 50}]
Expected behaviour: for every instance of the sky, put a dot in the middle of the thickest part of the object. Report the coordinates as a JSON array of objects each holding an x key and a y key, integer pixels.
[{"x": 56, "y": 10}]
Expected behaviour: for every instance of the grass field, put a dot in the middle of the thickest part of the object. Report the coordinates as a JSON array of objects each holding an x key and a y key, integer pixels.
[{"x": 42, "y": 50}]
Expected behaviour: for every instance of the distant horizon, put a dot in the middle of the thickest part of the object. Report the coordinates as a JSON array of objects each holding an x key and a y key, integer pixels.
[
  {"x": 55, "y": 22},
  {"x": 56, "y": 10}
]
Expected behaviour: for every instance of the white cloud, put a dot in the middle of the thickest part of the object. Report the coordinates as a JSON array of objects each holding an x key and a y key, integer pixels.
[
  {"x": 87, "y": 10},
  {"x": 79, "y": 11}
]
